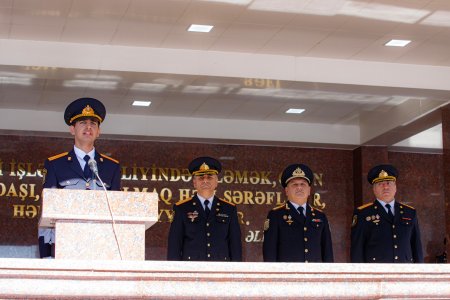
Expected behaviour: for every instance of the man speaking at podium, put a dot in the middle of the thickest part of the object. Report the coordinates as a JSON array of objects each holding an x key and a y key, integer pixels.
[
  {"x": 71, "y": 170},
  {"x": 205, "y": 227}
]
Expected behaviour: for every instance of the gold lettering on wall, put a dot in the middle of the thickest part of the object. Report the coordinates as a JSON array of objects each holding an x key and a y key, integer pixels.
[
  {"x": 252, "y": 198},
  {"x": 317, "y": 202},
  {"x": 165, "y": 215},
  {"x": 242, "y": 218},
  {"x": 262, "y": 83},
  {"x": 23, "y": 191},
  {"x": 22, "y": 211},
  {"x": 246, "y": 177},
  {"x": 156, "y": 174},
  {"x": 318, "y": 179},
  {"x": 273, "y": 196},
  {"x": 25, "y": 169},
  {"x": 254, "y": 236}
]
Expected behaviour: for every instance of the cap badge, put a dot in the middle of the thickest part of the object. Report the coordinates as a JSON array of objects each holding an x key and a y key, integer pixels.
[
  {"x": 204, "y": 167},
  {"x": 383, "y": 174},
  {"x": 87, "y": 111},
  {"x": 298, "y": 172}
]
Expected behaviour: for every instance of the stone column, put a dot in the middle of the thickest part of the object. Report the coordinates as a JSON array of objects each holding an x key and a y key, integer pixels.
[{"x": 446, "y": 168}]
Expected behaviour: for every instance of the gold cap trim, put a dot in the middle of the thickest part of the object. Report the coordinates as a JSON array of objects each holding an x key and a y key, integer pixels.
[{"x": 86, "y": 112}]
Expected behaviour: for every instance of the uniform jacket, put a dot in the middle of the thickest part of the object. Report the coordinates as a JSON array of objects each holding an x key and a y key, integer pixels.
[
  {"x": 376, "y": 239},
  {"x": 286, "y": 239},
  {"x": 193, "y": 237},
  {"x": 63, "y": 171}
]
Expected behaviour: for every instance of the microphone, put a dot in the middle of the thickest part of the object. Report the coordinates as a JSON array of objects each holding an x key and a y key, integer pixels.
[{"x": 93, "y": 166}]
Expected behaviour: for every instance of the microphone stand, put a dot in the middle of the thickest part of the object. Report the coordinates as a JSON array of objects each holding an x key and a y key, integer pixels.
[{"x": 93, "y": 166}]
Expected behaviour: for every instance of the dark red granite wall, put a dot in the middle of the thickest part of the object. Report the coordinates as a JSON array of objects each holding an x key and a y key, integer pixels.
[
  {"x": 421, "y": 184},
  {"x": 249, "y": 179}
]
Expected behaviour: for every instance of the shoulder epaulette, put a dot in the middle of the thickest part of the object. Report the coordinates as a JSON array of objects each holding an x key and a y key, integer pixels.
[
  {"x": 232, "y": 204},
  {"x": 279, "y": 207},
  {"x": 183, "y": 201},
  {"x": 365, "y": 205},
  {"x": 407, "y": 205},
  {"x": 58, "y": 156},
  {"x": 110, "y": 158}
]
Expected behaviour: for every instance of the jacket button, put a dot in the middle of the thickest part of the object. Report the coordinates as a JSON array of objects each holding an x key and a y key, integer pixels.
[
  {"x": 373, "y": 258},
  {"x": 306, "y": 261},
  {"x": 306, "y": 250},
  {"x": 189, "y": 258},
  {"x": 306, "y": 239},
  {"x": 395, "y": 246},
  {"x": 209, "y": 255},
  {"x": 305, "y": 228},
  {"x": 208, "y": 234},
  {"x": 207, "y": 224},
  {"x": 393, "y": 226},
  {"x": 395, "y": 236},
  {"x": 209, "y": 245},
  {"x": 396, "y": 257}
]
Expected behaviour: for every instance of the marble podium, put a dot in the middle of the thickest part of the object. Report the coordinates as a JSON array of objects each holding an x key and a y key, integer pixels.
[{"x": 85, "y": 229}]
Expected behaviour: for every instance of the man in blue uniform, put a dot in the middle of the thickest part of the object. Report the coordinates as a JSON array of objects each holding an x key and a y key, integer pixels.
[
  {"x": 295, "y": 231},
  {"x": 385, "y": 231},
  {"x": 70, "y": 170},
  {"x": 205, "y": 227}
]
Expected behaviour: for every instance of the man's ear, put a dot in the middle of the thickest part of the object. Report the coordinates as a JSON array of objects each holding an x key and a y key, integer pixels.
[{"x": 72, "y": 129}]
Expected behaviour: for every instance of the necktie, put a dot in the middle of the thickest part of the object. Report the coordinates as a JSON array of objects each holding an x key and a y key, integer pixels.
[
  {"x": 302, "y": 216},
  {"x": 390, "y": 214},
  {"x": 207, "y": 208},
  {"x": 87, "y": 171}
]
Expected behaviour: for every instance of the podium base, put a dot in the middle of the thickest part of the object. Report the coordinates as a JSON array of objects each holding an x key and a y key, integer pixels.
[{"x": 97, "y": 241}]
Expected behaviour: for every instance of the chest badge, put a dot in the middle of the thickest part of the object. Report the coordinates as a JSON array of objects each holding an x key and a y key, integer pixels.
[
  {"x": 192, "y": 215},
  {"x": 288, "y": 219}
]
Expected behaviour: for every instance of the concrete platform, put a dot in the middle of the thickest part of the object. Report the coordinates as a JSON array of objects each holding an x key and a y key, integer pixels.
[{"x": 77, "y": 279}]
